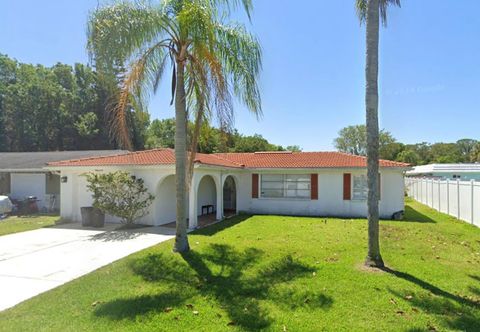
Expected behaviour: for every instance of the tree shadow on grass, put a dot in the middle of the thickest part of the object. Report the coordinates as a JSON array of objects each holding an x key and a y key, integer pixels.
[
  {"x": 458, "y": 312},
  {"x": 223, "y": 270},
  {"x": 220, "y": 226},
  {"x": 475, "y": 289},
  {"x": 432, "y": 288},
  {"x": 237, "y": 280},
  {"x": 413, "y": 215},
  {"x": 455, "y": 316},
  {"x": 132, "y": 307}
]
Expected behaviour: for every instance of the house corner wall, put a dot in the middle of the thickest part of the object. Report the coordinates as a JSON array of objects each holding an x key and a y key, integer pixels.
[{"x": 330, "y": 200}]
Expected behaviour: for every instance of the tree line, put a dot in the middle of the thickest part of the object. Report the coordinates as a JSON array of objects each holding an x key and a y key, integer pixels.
[
  {"x": 63, "y": 107},
  {"x": 59, "y": 108},
  {"x": 161, "y": 133},
  {"x": 352, "y": 139}
]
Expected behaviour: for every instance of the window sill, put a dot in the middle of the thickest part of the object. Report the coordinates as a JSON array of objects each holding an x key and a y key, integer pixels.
[{"x": 284, "y": 199}]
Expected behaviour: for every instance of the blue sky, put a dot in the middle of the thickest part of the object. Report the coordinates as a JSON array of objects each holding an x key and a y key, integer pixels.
[{"x": 313, "y": 78}]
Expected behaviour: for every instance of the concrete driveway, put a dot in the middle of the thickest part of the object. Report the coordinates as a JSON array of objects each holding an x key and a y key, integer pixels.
[{"x": 35, "y": 261}]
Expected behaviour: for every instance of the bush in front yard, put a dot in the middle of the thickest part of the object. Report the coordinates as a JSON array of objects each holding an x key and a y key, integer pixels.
[{"x": 119, "y": 194}]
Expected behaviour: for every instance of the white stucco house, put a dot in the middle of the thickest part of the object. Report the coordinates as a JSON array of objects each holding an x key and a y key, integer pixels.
[{"x": 286, "y": 183}]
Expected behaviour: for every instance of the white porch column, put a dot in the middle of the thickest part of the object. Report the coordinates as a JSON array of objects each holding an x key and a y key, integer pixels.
[
  {"x": 219, "y": 197},
  {"x": 192, "y": 203}
]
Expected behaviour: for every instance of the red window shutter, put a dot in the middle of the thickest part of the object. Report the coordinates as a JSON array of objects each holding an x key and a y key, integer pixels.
[
  {"x": 254, "y": 185},
  {"x": 313, "y": 186},
  {"x": 347, "y": 186}
]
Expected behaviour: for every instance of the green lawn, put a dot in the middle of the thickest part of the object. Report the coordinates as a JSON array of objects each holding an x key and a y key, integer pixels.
[
  {"x": 16, "y": 224},
  {"x": 280, "y": 274}
]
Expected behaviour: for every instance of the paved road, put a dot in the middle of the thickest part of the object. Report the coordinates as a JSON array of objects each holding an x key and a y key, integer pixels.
[{"x": 36, "y": 261}]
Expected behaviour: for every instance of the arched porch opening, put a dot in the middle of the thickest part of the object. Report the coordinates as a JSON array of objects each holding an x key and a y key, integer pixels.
[
  {"x": 229, "y": 197},
  {"x": 206, "y": 200}
]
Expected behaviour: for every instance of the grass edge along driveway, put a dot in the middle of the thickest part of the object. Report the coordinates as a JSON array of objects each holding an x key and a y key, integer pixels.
[{"x": 16, "y": 224}]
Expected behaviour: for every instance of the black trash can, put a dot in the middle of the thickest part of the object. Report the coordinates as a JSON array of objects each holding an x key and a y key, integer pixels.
[
  {"x": 98, "y": 218},
  {"x": 87, "y": 215}
]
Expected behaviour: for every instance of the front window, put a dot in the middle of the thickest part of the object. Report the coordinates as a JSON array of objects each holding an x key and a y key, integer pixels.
[
  {"x": 285, "y": 186},
  {"x": 360, "y": 189}
]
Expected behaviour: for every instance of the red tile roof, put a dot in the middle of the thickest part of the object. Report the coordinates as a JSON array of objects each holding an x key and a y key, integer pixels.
[
  {"x": 302, "y": 160},
  {"x": 236, "y": 160}
]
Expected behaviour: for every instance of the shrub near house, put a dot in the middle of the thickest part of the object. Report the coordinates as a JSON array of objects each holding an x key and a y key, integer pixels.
[{"x": 120, "y": 194}]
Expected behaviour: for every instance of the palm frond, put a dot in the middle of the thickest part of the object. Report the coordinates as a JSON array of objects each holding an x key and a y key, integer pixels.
[
  {"x": 241, "y": 56},
  {"x": 361, "y": 9},
  {"x": 230, "y": 5},
  {"x": 142, "y": 77},
  {"x": 118, "y": 32}
]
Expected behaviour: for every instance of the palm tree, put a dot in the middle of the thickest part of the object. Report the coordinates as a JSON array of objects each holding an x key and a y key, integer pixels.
[
  {"x": 369, "y": 12},
  {"x": 211, "y": 61}
]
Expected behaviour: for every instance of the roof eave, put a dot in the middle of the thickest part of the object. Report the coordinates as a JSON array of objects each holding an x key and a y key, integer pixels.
[
  {"x": 400, "y": 168},
  {"x": 90, "y": 167},
  {"x": 23, "y": 170}
]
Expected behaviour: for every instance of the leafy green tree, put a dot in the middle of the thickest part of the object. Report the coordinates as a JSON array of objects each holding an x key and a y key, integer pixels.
[
  {"x": 370, "y": 12},
  {"x": 445, "y": 153},
  {"x": 475, "y": 154},
  {"x": 390, "y": 151},
  {"x": 8, "y": 69},
  {"x": 294, "y": 148},
  {"x": 210, "y": 139},
  {"x": 161, "y": 133},
  {"x": 138, "y": 121},
  {"x": 422, "y": 150},
  {"x": 353, "y": 140},
  {"x": 254, "y": 143},
  {"x": 466, "y": 147},
  {"x": 86, "y": 124},
  {"x": 408, "y": 156},
  {"x": 120, "y": 194},
  {"x": 210, "y": 61},
  {"x": 54, "y": 108}
]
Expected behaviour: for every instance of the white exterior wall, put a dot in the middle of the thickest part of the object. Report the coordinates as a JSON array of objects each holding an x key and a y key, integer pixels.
[
  {"x": 165, "y": 201},
  {"x": 74, "y": 193},
  {"x": 330, "y": 201},
  {"x": 330, "y": 196},
  {"x": 29, "y": 184}
]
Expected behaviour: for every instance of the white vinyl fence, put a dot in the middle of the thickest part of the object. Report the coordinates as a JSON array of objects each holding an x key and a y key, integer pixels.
[{"x": 460, "y": 199}]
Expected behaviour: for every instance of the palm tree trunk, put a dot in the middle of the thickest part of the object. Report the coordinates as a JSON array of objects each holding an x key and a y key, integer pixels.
[
  {"x": 371, "y": 100},
  {"x": 193, "y": 145},
  {"x": 181, "y": 240}
]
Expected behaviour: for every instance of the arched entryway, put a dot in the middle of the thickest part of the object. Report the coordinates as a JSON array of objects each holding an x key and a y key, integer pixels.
[
  {"x": 206, "y": 200},
  {"x": 229, "y": 197},
  {"x": 165, "y": 201}
]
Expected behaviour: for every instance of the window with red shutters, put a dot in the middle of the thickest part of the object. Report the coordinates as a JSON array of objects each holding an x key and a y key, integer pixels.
[
  {"x": 314, "y": 186},
  {"x": 347, "y": 186},
  {"x": 254, "y": 185}
]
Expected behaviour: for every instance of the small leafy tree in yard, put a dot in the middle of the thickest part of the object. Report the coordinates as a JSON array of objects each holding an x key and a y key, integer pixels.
[{"x": 119, "y": 194}]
